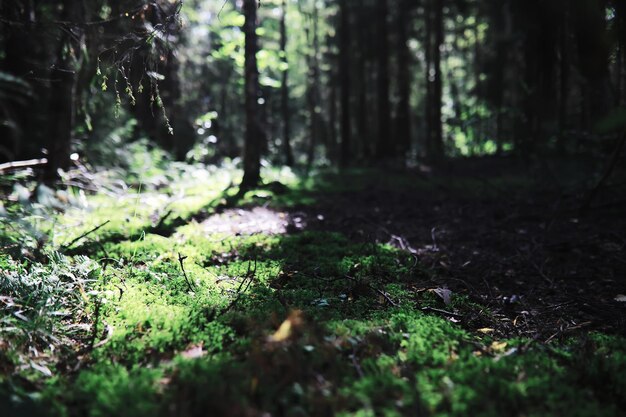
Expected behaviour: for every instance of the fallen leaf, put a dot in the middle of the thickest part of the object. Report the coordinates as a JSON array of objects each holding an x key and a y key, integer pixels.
[
  {"x": 287, "y": 327},
  {"x": 486, "y": 330},
  {"x": 498, "y": 346},
  {"x": 283, "y": 332},
  {"x": 445, "y": 294},
  {"x": 41, "y": 368}
]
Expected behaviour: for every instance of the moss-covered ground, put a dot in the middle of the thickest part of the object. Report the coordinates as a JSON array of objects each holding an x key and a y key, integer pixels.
[{"x": 158, "y": 313}]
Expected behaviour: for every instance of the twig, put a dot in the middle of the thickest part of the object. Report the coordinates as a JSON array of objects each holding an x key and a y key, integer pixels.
[
  {"x": 109, "y": 330},
  {"x": 379, "y": 291},
  {"x": 181, "y": 261},
  {"x": 11, "y": 166},
  {"x": 250, "y": 274},
  {"x": 438, "y": 310},
  {"x": 356, "y": 365},
  {"x": 69, "y": 245}
]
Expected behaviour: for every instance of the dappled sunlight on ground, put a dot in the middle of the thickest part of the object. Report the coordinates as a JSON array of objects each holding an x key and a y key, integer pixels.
[{"x": 250, "y": 221}]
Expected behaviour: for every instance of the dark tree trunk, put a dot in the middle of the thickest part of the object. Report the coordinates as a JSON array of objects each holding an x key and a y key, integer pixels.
[
  {"x": 332, "y": 99},
  {"x": 344, "y": 80},
  {"x": 594, "y": 51},
  {"x": 498, "y": 86},
  {"x": 437, "y": 89},
  {"x": 313, "y": 99},
  {"x": 285, "y": 88},
  {"x": 620, "y": 11},
  {"x": 563, "y": 77},
  {"x": 253, "y": 136},
  {"x": 385, "y": 146},
  {"x": 403, "y": 111},
  {"x": 428, "y": 57},
  {"x": 63, "y": 78}
]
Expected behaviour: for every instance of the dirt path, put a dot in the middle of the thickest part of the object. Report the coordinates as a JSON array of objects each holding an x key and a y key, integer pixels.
[{"x": 543, "y": 271}]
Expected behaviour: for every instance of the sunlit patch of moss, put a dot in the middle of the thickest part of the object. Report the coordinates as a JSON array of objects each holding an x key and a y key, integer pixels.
[{"x": 151, "y": 313}]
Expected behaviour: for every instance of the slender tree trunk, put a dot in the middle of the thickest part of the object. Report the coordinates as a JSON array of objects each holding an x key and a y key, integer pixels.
[
  {"x": 332, "y": 99},
  {"x": 499, "y": 72},
  {"x": 285, "y": 88},
  {"x": 563, "y": 78},
  {"x": 620, "y": 63},
  {"x": 477, "y": 82},
  {"x": 344, "y": 80},
  {"x": 437, "y": 132},
  {"x": 428, "y": 56},
  {"x": 403, "y": 111},
  {"x": 63, "y": 84},
  {"x": 253, "y": 135},
  {"x": 313, "y": 95},
  {"x": 385, "y": 146}
]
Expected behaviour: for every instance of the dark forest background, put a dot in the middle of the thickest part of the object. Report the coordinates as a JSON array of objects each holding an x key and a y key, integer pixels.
[{"x": 393, "y": 82}]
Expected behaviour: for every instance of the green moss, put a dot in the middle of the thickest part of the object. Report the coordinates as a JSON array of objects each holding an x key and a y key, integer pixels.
[{"x": 360, "y": 346}]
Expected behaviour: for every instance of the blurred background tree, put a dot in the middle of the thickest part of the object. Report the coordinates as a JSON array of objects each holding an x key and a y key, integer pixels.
[{"x": 340, "y": 82}]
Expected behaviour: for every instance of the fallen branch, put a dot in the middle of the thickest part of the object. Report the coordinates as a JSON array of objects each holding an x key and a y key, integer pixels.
[
  {"x": 12, "y": 166},
  {"x": 69, "y": 245},
  {"x": 440, "y": 311}
]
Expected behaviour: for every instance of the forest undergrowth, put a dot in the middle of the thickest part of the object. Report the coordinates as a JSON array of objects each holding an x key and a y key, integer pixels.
[{"x": 352, "y": 294}]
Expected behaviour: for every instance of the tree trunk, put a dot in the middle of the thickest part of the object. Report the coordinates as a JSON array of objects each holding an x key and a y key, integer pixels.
[
  {"x": 594, "y": 53},
  {"x": 62, "y": 95},
  {"x": 385, "y": 146},
  {"x": 344, "y": 80},
  {"x": 332, "y": 98},
  {"x": 313, "y": 96},
  {"x": 563, "y": 78},
  {"x": 253, "y": 135},
  {"x": 285, "y": 88},
  {"x": 403, "y": 116},
  {"x": 428, "y": 57},
  {"x": 437, "y": 88}
]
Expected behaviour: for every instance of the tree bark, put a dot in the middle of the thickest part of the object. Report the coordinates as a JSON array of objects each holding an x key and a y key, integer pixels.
[
  {"x": 563, "y": 78},
  {"x": 428, "y": 58},
  {"x": 289, "y": 161},
  {"x": 344, "y": 79},
  {"x": 253, "y": 135},
  {"x": 332, "y": 99},
  {"x": 403, "y": 116},
  {"x": 385, "y": 146},
  {"x": 62, "y": 95},
  {"x": 434, "y": 40},
  {"x": 438, "y": 87}
]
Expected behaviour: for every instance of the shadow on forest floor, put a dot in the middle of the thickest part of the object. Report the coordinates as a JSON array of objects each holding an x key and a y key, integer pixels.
[{"x": 361, "y": 294}]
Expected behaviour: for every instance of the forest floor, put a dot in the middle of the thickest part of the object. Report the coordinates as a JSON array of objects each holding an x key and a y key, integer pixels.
[{"x": 480, "y": 291}]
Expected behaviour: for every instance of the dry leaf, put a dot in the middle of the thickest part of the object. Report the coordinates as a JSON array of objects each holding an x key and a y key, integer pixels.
[
  {"x": 287, "y": 328},
  {"x": 498, "y": 346},
  {"x": 445, "y": 294},
  {"x": 486, "y": 330},
  {"x": 283, "y": 332}
]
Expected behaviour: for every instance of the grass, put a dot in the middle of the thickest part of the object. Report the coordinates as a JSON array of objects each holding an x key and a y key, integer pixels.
[{"x": 291, "y": 325}]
